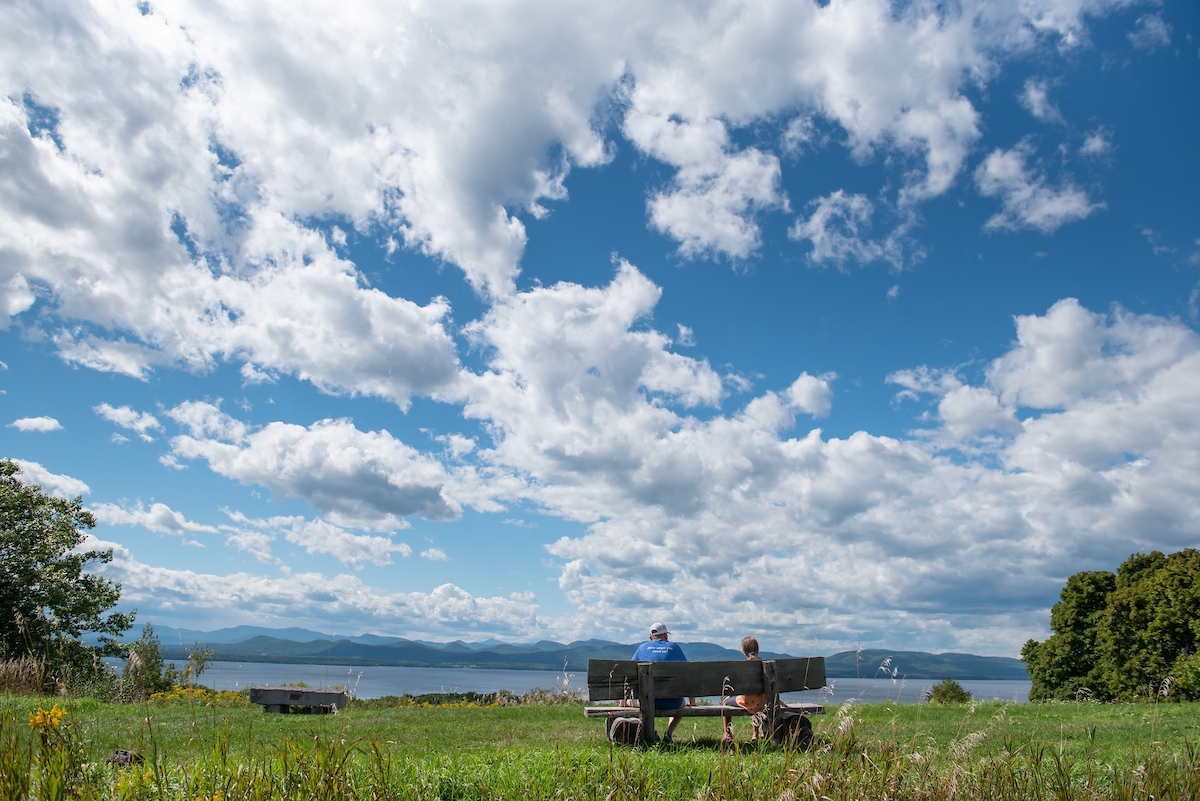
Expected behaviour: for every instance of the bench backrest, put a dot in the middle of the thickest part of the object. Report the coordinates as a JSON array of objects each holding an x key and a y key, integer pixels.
[{"x": 613, "y": 680}]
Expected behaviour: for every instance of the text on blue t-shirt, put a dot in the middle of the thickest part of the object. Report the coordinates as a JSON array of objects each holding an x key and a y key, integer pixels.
[{"x": 661, "y": 651}]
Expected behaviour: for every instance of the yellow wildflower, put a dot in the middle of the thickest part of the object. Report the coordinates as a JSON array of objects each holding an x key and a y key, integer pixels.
[{"x": 44, "y": 719}]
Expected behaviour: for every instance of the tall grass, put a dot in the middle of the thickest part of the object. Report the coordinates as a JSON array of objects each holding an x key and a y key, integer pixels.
[
  {"x": 23, "y": 676},
  {"x": 45, "y": 753}
]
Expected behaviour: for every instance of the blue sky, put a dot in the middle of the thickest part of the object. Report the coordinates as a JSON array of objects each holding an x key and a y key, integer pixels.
[{"x": 831, "y": 323}]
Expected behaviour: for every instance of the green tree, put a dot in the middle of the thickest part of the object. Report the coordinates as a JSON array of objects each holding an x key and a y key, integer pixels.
[
  {"x": 145, "y": 672},
  {"x": 47, "y": 600},
  {"x": 199, "y": 660},
  {"x": 1152, "y": 626},
  {"x": 1132, "y": 635},
  {"x": 1067, "y": 663}
]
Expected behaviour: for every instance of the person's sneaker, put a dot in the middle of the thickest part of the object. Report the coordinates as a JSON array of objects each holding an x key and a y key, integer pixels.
[
  {"x": 726, "y": 739},
  {"x": 666, "y": 738}
]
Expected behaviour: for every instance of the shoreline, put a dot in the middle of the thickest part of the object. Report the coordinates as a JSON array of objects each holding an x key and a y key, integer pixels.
[{"x": 374, "y": 681}]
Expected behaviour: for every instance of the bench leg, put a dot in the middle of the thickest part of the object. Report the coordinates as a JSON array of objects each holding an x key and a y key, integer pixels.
[
  {"x": 770, "y": 683},
  {"x": 646, "y": 702}
]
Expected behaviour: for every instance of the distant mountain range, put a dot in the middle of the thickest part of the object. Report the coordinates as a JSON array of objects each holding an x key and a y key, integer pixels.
[
  {"x": 920, "y": 665},
  {"x": 302, "y": 646}
]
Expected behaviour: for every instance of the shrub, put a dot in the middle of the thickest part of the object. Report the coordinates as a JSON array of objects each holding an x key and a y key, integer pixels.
[
  {"x": 201, "y": 696},
  {"x": 468, "y": 699},
  {"x": 535, "y": 697},
  {"x": 948, "y": 691},
  {"x": 541, "y": 697}
]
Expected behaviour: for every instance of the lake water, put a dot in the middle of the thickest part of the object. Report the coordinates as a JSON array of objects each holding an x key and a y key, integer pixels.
[{"x": 374, "y": 681}]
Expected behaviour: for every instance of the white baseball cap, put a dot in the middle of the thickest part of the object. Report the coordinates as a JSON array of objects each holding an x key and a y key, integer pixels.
[{"x": 658, "y": 629}]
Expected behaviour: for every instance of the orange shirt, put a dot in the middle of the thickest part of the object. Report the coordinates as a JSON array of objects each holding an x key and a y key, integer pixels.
[{"x": 752, "y": 703}]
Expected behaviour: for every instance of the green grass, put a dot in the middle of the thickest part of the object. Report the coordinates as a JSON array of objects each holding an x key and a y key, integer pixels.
[{"x": 984, "y": 751}]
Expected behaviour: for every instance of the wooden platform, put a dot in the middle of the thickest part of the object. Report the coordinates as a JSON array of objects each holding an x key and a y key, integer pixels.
[{"x": 285, "y": 700}]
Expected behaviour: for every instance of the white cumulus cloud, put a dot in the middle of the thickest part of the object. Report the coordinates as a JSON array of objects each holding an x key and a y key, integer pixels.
[
  {"x": 1151, "y": 32},
  {"x": 159, "y": 518},
  {"x": 837, "y": 229},
  {"x": 1036, "y": 99},
  {"x": 1097, "y": 143},
  {"x": 710, "y": 206},
  {"x": 196, "y": 215},
  {"x": 1072, "y": 448},
  {"x": 447, "y": 611},
  {"x": 320, "y": 537},
  {"x": 253, "y": 536},
  {"x": 811, "y": 395},
  {"x": 1077, "y": 448},
  {"x": 42, "y": 424},
  {"x": 61, "y": 486},
  {"x": 1027, "y": 199},
  {"x": 125, "y": 417},
  {"x": 180, "y": 187},
  {"x": 354, "y": 478}
]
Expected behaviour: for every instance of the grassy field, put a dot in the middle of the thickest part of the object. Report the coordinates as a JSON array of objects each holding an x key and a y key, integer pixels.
[{"x": 984, "y": 751}]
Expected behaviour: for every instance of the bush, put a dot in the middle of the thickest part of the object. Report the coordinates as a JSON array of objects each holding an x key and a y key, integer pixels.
[
  {"x": 201, "y": 696},
  {"x": 468, "y": 699},
  {"x": 947, "y": 692}
]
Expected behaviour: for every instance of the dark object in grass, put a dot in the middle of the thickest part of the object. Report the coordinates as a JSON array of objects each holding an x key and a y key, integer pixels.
[
  {"x": 792, "y": 729},
  {"x": 947, "y": 692},
  {"x": 125, "y": 758}
]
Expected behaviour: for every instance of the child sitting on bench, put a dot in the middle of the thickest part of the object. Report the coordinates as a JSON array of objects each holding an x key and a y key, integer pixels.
[{"x": 751, "y": 703}]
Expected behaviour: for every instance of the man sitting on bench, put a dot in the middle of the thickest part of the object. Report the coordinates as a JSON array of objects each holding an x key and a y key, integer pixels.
[{"x": 659, "y": 649}]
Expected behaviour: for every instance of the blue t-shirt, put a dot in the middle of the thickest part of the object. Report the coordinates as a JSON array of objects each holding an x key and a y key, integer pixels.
[{"x": 661, "y": 651}]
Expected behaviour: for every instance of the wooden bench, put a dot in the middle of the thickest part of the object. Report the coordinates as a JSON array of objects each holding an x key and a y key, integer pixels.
[
  {"x": 283, "y": 699},
  {"x": 627, "y": 681}
]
